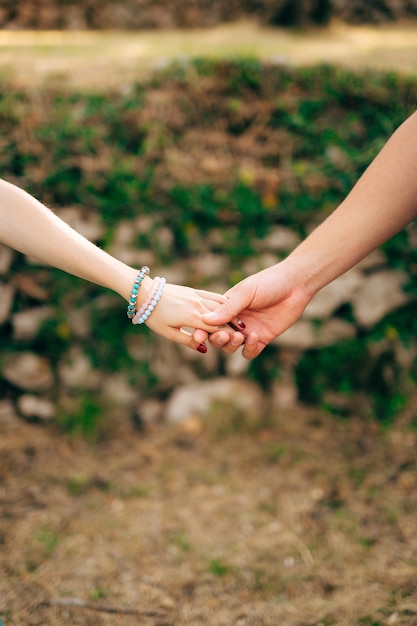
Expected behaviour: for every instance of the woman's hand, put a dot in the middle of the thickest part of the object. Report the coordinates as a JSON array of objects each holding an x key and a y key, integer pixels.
[{"x": 180, "y": 311}]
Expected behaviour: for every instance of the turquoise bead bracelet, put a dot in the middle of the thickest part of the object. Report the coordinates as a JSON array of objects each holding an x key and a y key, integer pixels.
[{"x": 131, "y": 308}]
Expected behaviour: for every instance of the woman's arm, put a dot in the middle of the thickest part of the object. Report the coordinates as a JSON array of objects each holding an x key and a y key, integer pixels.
[
  {"x": 29, "y": 227},
  {"x": 382, "y": 202}
]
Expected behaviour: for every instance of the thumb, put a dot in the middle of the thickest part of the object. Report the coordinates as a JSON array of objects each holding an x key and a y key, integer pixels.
[{"x": 225, "y": 312}]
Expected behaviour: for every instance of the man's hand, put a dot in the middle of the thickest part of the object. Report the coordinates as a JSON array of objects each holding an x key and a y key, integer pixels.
[{"x": 267, "y": 303}]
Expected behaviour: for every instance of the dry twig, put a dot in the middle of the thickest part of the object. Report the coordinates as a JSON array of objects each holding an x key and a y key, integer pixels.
[{"x": 78, "y": 602}]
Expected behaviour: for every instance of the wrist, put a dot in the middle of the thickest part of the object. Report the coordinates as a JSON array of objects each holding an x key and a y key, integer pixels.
[{"x": 302, "y": 275}]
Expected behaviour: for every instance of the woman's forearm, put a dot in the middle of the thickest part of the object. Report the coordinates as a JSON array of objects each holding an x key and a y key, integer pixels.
[
  {"x": 28, "y": 226},
  {"x": 383, "y": 202}
]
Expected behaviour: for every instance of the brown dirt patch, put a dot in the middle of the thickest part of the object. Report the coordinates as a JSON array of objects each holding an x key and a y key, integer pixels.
[{"x": 310, "y": 520}]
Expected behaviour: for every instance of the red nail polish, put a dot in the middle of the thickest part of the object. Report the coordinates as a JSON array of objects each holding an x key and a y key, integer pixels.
[
  {"x": 241, "y": 324},
  {"x": 202, "y": 348}
]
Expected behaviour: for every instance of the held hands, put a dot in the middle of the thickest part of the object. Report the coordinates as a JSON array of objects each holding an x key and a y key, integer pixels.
[
  {"x": 263, "y": 306},
  {"x": 268, "y": 303},
  {"x": 182, "y": 308}
]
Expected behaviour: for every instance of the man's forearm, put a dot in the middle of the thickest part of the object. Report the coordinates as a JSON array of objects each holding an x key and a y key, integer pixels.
[{"x": 383, "y": 202}]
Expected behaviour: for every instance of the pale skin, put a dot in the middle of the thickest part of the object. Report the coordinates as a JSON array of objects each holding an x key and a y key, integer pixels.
[
  {"x": 31, "y": 228},
  {"x": 383, "y": 202}
]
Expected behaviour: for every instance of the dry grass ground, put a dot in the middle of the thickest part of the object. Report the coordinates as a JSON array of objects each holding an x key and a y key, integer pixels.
[{"x": 308, "y": 520}]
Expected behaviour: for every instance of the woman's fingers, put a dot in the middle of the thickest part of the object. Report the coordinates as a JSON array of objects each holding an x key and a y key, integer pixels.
[
  {"x": 179, "y": 317},
  {"x": 209, "y": 296},
  {"x": 185, "y": 338},
  {"x": 229, "y": 340},
  {"x": 200, "y": 335}
]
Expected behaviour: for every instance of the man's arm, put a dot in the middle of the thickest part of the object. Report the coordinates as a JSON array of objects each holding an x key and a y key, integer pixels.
[{"x": 382, "y": 202}]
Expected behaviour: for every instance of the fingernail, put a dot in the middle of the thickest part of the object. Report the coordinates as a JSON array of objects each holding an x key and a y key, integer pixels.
[
  {"x": 202, "y": 348},
  {"x": 241, "y": 324}
]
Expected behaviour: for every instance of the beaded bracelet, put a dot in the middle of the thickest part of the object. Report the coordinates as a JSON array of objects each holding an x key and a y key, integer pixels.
[
  {"x": 148, "y": 300},
  {"x": 151, "y": 301},
  {"x": 131, "y": 309}
]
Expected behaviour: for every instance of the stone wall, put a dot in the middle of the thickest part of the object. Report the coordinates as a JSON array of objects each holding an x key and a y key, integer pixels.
[
  {"x": 206, "y": 172},
  {"x": 140, "y": 14},
  {"x": 189, "y": 385}
]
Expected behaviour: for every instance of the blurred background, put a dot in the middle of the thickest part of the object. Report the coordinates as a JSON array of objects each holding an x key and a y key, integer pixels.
[
  {"x": 144, "y": 14},
  {"x": 205, "y": 139}
]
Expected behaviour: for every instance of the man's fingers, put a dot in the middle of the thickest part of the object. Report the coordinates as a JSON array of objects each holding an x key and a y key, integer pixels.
[
  {"x": 223, "y": 314},
  {"x": 229, "y": 342},
  {"x": 252, "y": 346},
  {"x": 236, "y": 341},
  {"x": 219, "y": 338}
]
